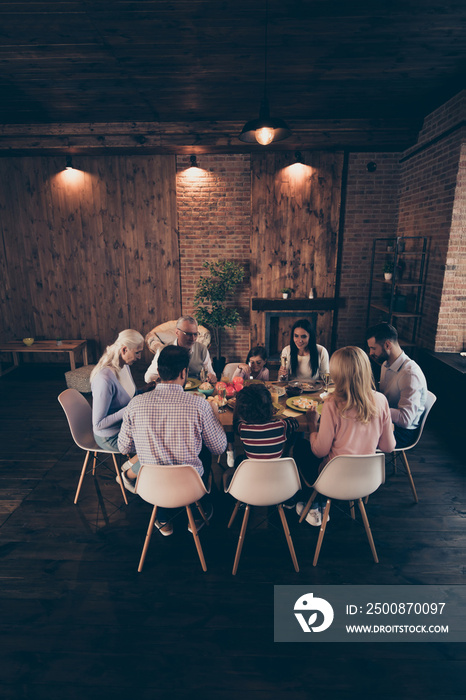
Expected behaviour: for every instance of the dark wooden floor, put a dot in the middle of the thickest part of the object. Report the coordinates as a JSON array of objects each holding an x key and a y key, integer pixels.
[{"x": 78, "y": 621}]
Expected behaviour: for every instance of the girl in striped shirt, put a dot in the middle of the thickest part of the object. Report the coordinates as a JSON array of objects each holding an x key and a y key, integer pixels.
[{"x": 262, "y": 435}]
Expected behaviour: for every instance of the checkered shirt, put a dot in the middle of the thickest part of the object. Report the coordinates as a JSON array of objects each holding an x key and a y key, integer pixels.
[{"x": 168, "y": 426}]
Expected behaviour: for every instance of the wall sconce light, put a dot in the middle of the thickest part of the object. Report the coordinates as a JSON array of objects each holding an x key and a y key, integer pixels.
[
  {"x": 193, "y": 161},
  {"x": 69, "y": 163},
  {"x": 299, "y": 157}
]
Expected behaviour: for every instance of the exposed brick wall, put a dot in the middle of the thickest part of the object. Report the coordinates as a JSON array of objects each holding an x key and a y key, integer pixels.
[
  {"x": 423, "y": 195},
  {"x": 214, "y": 222},
  {"x": 451, "y": 330},
  {"x": 371, "y": 212},
  {"x": 442, "y": 119},
  {"x": 428, "y": 187}
]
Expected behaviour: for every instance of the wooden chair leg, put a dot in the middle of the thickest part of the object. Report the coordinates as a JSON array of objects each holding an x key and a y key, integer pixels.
[
  {"x": 307, "y": 507},
  {"x": 233, "y": 515},
  {"x": 120, "y": 480},
  {"x": 241, "y": 540},
  {"x": 80, "y": 482},
  {"x": 351, "y": 505},
  {"x": 202, "y": 512},
  {"x": 410, "y": 476},
  {"x": 289, "y": 541},
  {"x": 197, "y": 541},
  {"x": 94, "y": 462},
  {"x": 368, "y": 530},
  {"x": 150, "y": 530},
  {"x": 322, "y": 532}
]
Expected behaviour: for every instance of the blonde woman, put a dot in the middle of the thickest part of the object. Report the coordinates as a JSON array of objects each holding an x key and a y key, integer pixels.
[
  {"x": 112, "y": 389},
  {"x": 355, "y": 418}
]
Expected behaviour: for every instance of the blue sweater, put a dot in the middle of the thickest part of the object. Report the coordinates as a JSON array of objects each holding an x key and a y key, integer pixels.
[{"x": 109, "y": 401}]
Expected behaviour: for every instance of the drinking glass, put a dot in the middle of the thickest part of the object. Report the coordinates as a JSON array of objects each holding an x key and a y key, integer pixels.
[
  {"x": 285, "y": 376},
  {"x": 325, "y": 376},
  {"x": 222, "y": 400}
]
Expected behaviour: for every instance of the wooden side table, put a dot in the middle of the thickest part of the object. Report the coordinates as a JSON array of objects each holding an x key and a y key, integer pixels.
[{"x": 72, "y": 347}]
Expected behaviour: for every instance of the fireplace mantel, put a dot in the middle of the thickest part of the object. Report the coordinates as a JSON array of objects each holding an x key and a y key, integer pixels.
[{"x": 304, "y": 304}]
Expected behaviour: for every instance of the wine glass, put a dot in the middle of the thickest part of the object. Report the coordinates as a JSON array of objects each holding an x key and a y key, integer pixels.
[
  {"x": 222, "y": 400},
  {"x": 325, "y": 376}
]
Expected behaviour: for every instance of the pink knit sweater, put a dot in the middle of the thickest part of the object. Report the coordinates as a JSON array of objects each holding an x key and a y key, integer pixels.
[{"x": 347, "y": 436}]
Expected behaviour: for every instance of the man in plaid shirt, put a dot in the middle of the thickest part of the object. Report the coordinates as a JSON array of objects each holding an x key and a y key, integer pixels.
[{"x": 171, "y": 426}]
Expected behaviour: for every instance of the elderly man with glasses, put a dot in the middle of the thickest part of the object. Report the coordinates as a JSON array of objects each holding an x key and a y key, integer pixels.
[{"x": 186, "y": 337}]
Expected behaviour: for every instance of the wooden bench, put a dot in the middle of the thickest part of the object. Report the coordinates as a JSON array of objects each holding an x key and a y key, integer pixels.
[{"x": 72, "y": 347}]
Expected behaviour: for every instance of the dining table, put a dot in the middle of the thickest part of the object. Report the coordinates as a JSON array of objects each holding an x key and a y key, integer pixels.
[{"x": 284, "y": 405}]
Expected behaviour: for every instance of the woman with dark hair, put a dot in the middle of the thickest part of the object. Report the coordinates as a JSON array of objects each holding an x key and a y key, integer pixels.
[
  {"x": 262, "y": 435},
  {"x": 303, "y": 358},
  {"x": 255, "y": 365}
]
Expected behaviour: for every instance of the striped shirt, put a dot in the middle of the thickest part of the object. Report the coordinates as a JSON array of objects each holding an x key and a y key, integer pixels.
[
  {"x": 169, "y": 426},
  {"x": 266, "y": 440}
]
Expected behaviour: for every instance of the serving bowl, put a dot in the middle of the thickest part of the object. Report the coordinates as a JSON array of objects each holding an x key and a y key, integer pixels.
[
  {"x": 206, "y": 392},
  {"x": 28, "y": 341}
]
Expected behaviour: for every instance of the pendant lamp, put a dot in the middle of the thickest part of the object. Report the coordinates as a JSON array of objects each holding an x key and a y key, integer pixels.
[{"x": 266, "y": 129}]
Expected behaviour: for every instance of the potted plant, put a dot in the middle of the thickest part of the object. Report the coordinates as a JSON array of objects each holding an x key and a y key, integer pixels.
[
  {"x": 285, "y": 292},
  {"x": 211, "y": 298},
  {"x": 388, "y": 270}
]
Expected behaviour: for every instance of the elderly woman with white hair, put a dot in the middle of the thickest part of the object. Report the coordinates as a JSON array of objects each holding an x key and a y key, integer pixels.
[{"x": 113, "y": 388}]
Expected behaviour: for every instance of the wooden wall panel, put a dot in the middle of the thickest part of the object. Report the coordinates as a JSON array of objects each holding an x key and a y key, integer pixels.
[
  {"x": 295, "y": 212},
  {"x": 88, "y": 252}
]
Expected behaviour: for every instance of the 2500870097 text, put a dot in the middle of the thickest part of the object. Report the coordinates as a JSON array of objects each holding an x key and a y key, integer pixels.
[{"x": 396, "y": 609}]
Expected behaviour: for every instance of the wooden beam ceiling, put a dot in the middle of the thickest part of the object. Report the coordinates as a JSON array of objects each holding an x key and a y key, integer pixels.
[
  {"x": 187, "y": 74},
  {"x": 198, "y": 137}
]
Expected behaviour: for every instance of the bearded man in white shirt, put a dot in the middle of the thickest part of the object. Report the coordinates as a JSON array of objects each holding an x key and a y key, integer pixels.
[
  {"x": 187, "y": 332},
  {"x": 401, "y": 380}
]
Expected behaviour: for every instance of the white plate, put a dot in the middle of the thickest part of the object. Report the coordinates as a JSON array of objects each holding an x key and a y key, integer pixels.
[{"x": 310, "y": 387}]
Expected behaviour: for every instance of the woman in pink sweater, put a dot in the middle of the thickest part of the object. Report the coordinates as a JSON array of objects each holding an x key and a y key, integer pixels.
[{"x": 355, "y": 418}]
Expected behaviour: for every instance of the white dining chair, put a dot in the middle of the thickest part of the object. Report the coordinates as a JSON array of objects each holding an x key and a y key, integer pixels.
[
  {"x": 430, "y": 400},
  {"x": 79, "y": 415},
  {"x": 348, "y": 478},
  {"x": 172, "y": 486},
  {"x": 230, "y": 369},
  {"x": 263, "y": 482}
]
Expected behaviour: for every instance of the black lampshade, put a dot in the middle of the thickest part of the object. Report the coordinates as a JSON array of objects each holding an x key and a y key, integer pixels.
[{"x": 279, "y": 128}]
